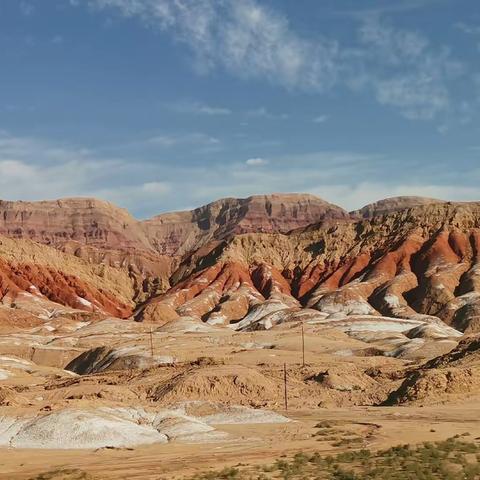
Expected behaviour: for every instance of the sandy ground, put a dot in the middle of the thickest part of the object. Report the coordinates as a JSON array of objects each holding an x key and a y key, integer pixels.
[
  {"x": 379, "y": 427},
  {"x": 41, "y": 385}
]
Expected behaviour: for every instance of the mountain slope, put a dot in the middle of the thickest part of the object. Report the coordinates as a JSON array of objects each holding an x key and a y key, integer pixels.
[
  {"x": 420, "y": 263},
  {"x": 179, "y": 232},
  {"x": 250, "y": 263},
  {"x": 42, "y": 280},
  {"x": 145, "y": 253}
]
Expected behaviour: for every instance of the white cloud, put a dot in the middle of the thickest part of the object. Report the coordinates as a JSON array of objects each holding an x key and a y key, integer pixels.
[
  {"x": 249, "y": 39},
  {"x": 320, "y": 119},
  {"x": 26, "y": 8},
  {"x": 161, "y": 188},
  {"x": 256, "y": 162},
  {"x": 34, "y": 169},
  {"x": 355, "y": 197},
  {"x": 393, "y": 46},
  {"x": 183, "y": 139},
  {"x": 262, "y": 112},
  {"x": 405, "y": 71},
  {"x": 57, "y": 40},
  {"x": 414, "y": 95},
  {"x": 14, "y": 170},
  {"x": 198, "y": 108},
  {"x": 468, "y": 28},
  {"x": 243, "y": 37}
]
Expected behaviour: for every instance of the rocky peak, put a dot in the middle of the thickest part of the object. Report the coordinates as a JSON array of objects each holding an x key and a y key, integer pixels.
[
  {"x": 85, "y": 220},
  {"x": 393, "y": 204},
  {"x": 274, "y": 213}
]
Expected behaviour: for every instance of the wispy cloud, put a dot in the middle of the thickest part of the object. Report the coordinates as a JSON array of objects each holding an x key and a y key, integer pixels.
[
  {"x": 262, "y": 112},
  {"x": 365, "y": 10},
  {"x": 251, "y": 40},
  {"x": 469, "y": 29},
  {"x": 32, "y": 169},
  {"x": 57, "y": 40},
  {"x": 36, "y": 169},
  {"x": 320, "y": 119},
  {"x": 257, "y": 162},
  {"x": 198, "y": 108},
  {"x": 245, "y": 38},
  {"x": 26, "y": 8},
  {"x": 406, "y": 71},
  {"x": 182, "y": 139}
]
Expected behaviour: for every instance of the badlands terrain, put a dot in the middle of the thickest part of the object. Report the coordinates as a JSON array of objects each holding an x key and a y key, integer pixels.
[{"x": 229, "y": 338}]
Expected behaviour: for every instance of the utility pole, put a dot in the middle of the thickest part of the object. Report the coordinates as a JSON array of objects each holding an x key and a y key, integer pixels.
[
  {"x": 285, "y": 384},
  {"x": 151, "y": 341},
  {"x": 303, "y": 347}
]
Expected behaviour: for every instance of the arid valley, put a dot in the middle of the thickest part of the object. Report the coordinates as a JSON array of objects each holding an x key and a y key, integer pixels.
[
  {"x": 228, "y": 337},
  {"x": 239, "y": 240}
]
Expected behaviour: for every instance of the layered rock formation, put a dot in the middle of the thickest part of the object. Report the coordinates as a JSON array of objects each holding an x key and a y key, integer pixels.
[
  {"x": 250, "y": 263},
  {"x": 178, "y": 233},
  {"x": 42, "y": 280},
  {"x": 419, "y": 263}
]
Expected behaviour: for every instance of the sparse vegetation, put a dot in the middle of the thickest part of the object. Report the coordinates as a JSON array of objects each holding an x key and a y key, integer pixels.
[
  {"x": 63, "y": 474},
  {"x": 452, "y": 459}
]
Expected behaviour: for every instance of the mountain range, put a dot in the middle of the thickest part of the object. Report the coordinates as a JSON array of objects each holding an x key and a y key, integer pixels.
[{"x": 244, "y": 263}]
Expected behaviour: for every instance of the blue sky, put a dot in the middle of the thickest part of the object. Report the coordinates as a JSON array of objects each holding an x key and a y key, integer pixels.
[{"x": 161, "y": 105}]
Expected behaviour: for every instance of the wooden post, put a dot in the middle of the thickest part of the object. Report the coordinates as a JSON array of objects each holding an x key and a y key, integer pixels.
[
  {"x": 151, "y": 341},
  {"x": 303, "y": 347},
  {"x": 285, "y": 384}
]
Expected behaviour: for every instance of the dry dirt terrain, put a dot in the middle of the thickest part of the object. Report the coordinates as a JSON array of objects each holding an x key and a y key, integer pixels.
[
  {"x": 221, "y": 342},
  {"x": 210, "y": 398}
]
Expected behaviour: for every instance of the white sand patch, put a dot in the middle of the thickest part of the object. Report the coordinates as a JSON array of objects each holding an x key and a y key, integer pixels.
[
  {"x": 406, "y": 348},
  {"x": 256, "y": 346},
  {"x": 216, "y": 319},
  {"x": 76, "y": 429},
  {"x": 126, "y": 427},
  {"x": 84, "y": 302},
  {"x": 392, "y": 300},
  {"x": 433, "y": 331},
  {"x": 122, "y": 427},
  {"x": 259, "y": 311},
  {"x": 370, "y": 323}
]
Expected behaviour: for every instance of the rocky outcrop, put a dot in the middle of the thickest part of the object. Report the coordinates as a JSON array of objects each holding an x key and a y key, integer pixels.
[
  {"x": 84, "y": 220},
  {"x": 42, "y": 280},
  {"x": 249, "y": 263},
  {"x": 448, "y": 377},
  {"x": 150, "y": 250},
  {"x": 419, "y": 263}
]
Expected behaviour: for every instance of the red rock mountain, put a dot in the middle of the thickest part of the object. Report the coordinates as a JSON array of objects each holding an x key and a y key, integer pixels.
[
  {"x": 178, "y": 233},
  {"x": 420, "y": 263},
  {"x": 246, "y": 263},
  {"x": 145, "y": 252},
  {"x": 99, "y": 224}
]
